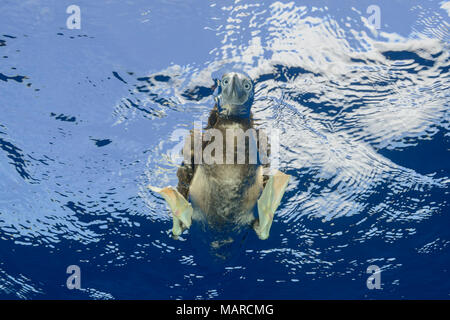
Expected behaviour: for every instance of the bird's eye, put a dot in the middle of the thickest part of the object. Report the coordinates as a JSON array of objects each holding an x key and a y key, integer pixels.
[
  {"x": 247, "y": 86},
  {"x": 225, "y": 82}
]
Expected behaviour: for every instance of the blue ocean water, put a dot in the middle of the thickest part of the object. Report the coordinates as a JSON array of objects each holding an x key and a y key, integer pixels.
[{"x": 91, "y": 116}]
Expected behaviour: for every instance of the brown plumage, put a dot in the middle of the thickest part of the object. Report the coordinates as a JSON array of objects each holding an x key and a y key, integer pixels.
[{"x": 248, "y": 174}]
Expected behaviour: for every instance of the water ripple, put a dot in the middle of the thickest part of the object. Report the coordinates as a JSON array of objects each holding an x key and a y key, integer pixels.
[{"x": 363, "y": 118}]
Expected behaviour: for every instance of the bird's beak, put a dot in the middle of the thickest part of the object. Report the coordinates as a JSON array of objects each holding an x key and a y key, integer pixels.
[{"x": 236, "y": 90}]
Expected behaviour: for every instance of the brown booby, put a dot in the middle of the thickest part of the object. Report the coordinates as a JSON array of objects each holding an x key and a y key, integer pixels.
[{"x": 221, "y": 194}]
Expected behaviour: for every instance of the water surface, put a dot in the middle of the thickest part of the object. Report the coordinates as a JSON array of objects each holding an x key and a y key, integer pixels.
[{"x": 90, "y": 117}]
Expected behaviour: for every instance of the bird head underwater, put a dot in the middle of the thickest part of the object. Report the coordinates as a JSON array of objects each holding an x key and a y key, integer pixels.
[{"x": 225, "y": 198}]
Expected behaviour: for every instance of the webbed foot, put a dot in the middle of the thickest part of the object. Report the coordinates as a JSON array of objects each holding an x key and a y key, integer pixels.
[
  {"x": 180, "y": 207},
  {"x": 268, "y": 203}
]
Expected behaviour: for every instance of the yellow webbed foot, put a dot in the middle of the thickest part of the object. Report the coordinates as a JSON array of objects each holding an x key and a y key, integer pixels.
[
  {"x": 180, "y": 207},
  {"x": 268, "y": 203}
]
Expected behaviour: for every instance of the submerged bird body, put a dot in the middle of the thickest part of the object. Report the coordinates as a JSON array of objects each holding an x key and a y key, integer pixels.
[{"x": 224, "y": 195}]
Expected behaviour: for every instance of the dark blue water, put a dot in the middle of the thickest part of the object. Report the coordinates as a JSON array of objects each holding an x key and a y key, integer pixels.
[{"x": 89, "y": 117}]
